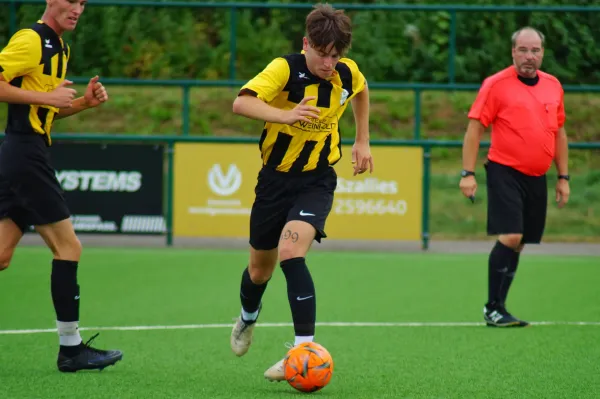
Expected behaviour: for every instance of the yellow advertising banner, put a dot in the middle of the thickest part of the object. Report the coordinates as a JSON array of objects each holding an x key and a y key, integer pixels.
[
  {"x": 384, "y": 205},
  {"x": 214, "y": 191}
]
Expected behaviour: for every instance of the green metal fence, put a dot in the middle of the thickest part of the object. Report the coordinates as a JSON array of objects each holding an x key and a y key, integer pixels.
[
  {"x": 417, "y": 88},
  {"x": 170, "y": 141}
]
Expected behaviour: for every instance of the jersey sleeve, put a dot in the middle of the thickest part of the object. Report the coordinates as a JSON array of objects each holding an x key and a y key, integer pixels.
[
  {"x": 21, "y": 56},
  {"x": 485, "y": 106},
  {"x": 270, "y": 82},
  {"x": 358, "y": 79}
]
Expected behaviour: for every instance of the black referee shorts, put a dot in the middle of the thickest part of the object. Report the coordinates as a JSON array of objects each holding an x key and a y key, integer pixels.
[
  {"x": 281, "y": 197},
  {"x": 517, "y": 203},
  {"x": 30, "y": 193}
]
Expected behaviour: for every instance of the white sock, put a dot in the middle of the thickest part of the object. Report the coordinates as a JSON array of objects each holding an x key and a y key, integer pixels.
[
  {"x": 68, "y": 333},
  {"x": 249, "y": 316},
  {"x": 302, "y": 339}
]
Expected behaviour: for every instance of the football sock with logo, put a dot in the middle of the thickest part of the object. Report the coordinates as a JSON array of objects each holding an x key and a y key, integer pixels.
[
  {"x": 301, "y": 295},
  {"x": 65, "y": 297},
  {"x": 250, "y": 296},
  {"x": 509, "y": 276},
  {"x": 499, "y": 261}
]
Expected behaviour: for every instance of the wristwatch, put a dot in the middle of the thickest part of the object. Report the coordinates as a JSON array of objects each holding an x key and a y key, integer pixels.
[
  {"x": 566, "y": 177},
  {"x": 466, "y": 173}
]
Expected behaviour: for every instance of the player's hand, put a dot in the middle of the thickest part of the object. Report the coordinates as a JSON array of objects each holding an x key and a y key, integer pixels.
[
  {"x": 468, "y": 186},
  {"x": 562, "y": 192},
  {"x": 362, "y": 158},
  {"x": 301, "y": 112},
  {"x": 95, "y": 94},
  {"x": 62, "y": 96}
]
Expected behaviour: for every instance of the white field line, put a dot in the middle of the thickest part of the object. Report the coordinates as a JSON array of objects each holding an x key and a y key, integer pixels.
[{"x": 323, "y": 324}]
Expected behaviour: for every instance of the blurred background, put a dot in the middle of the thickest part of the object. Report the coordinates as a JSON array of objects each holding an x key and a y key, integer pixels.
[
  {"x": 173, "y": 69},
  {"x": 160, "y": 181}
]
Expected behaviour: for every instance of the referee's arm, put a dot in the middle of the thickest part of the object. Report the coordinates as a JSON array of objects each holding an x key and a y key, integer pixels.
[
  {"x": 471, "y": 144},
  {"x": 561, "y": 158}
]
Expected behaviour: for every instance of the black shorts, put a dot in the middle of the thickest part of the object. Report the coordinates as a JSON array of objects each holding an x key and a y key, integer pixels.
[
  {"x": 281, "y": 197},
  {"x": 517, "y": 203},
  {"x": 30, "y": 194}
]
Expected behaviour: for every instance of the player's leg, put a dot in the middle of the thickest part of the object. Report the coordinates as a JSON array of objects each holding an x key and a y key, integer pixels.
[
  {"x": 295, "y": 242},
  {"x": 306, "y": 222},
  {"x": 73, "y": 355},
  {"x": 10, "y": 235},
  {"x": 46, "y": 207},
  {"x": 255, "y": 278},
  {"x": 13, "y": 222},
  {"x": 505, "y": 220},
  {"x": 267, "y": 218}
]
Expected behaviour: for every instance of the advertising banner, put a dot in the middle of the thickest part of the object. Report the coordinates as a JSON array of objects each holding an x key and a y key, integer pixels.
[
  {"x": 112, "y": 188},
  {"x": 214, "y": 191}
]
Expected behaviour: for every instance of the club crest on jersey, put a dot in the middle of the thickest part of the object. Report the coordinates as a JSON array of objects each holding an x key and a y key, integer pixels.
[{"x": 344, "y": 96}]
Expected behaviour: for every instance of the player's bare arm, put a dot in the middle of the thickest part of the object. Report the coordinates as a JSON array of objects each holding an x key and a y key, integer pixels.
[
  {"x": 468, "y": 184},
  {"x": 561, "y": 160},
  {"x": 254, "y": 108},
  {"x": 361, "y": 151},
  {"x": 60, "y": 97},
  {"x": 95, "y": 95}
]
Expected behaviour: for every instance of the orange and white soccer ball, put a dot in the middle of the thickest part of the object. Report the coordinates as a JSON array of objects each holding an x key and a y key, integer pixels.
[{"x": 308, "y": 367}]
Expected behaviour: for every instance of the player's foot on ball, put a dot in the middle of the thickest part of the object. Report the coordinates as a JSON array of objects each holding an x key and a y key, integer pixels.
[
  {"x": 275, "y": 372},
  {"x": 498, "y": 316},
  {"x": 88, "y": 358}
]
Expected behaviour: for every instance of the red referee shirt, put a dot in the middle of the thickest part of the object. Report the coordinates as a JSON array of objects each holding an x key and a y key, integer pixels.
[{"x": 525, "y": 119}]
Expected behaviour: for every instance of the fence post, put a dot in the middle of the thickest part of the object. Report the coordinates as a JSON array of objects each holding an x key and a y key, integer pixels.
[
  {"x": 452, "y": 47},
  {"x": 170, "y": 177},
  {"x": 185, "y": 111},
  {"x": 233, "y": 43},
  {"x": 426, "y": 184},
  {"x": 417, "y": 132},
  {"x": 12, "y": 18}
]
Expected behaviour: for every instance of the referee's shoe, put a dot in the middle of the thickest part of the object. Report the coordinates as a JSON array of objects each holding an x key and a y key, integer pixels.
[{"x": 497, "y": 316}]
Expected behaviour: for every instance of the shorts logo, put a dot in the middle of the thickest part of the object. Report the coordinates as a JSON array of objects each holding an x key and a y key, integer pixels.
[
  {"x": 302, "y": 213},
  {"x": 224, "y": 184}
]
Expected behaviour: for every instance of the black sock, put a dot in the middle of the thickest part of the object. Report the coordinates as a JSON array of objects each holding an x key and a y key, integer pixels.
[
  {"x": 301, "y": 294},
  {"x": 65, "y": 290},
  {"x": 65, "y": 296},
  {"x": 499, "y": 262},
  {"x": 508, "y": 277},
  {"x": 251, "y": 294}
]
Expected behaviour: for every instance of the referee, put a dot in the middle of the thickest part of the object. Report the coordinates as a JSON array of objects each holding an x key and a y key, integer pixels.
[{"x": 525, "y": 108}]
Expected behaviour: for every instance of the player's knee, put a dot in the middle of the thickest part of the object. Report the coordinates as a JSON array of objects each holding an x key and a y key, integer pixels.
[
  {"x": 5, "y": 258},
  {"x": 511, "y": 240},
  {"x": 290, "y": 251},
  {"x": 68, "y": 250},
  {"x": 260, "y": 275}
]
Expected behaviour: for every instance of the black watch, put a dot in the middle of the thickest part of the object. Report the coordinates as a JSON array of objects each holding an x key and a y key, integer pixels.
[
  {"x": 566, "y": 177},
  {"x": 466, "y": 173}
]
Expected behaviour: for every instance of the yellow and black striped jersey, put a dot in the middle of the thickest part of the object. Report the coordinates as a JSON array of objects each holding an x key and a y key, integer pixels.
[
  {"x": 35, "y": 59},
  {"x": 304, "y": 146}
]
